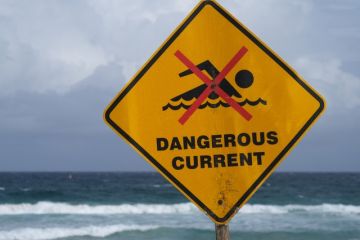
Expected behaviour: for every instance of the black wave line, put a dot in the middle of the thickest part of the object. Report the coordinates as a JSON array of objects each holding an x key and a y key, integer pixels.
[
  {"x": 254, "y": 103},
  {"x": 175, "y": 107},
  {"x": 214, "y": 105}
]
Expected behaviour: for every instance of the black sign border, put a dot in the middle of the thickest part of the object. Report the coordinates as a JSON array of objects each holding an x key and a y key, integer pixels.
[{"x": 234, "y": 209}]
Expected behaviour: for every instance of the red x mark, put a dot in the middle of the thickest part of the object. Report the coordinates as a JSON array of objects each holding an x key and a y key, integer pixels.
[{"x": 213, "y": 85}]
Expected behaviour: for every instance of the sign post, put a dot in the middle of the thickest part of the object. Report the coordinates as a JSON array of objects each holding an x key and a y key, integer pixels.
[
  {"x": 215, "y": 111},
  {"x": 222, "y": 231}
]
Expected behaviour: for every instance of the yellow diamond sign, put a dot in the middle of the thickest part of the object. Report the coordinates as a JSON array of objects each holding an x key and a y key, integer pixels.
[{"x": 214, "y": 110}]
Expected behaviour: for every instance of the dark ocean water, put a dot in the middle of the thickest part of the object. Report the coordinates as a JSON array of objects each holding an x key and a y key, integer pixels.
[{"x": 41, "y": 206}]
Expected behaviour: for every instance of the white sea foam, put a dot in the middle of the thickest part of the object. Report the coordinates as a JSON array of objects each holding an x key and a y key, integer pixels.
[
  {"x": 83, "y": 209},
  {"x": 180, "y": 208},
  {"x": 55, "y": 233},
  {"x": 161, "y": 185},
  {"x": 322, "y": 208},
  {"x": 2, "y": 189}
]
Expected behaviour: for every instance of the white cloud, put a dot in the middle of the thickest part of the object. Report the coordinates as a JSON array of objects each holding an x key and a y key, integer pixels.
[
  {"x": 342, "y": 89},
  {"x": 273, "y": 19},
  {"x": 55, "y": 45},
  {"x": 47, "y": 47}
]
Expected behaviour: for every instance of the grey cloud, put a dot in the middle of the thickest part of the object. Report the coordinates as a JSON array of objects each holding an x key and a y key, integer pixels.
[
  {"x": 42, "y": 131},
  {"x": 63, "y": 61}
]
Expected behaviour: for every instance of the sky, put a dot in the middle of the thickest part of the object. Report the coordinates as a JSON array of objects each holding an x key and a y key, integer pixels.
[{"x": 61, "y": 63}]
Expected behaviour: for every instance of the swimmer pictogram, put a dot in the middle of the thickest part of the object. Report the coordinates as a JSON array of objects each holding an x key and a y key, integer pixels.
[{"x": 214, "y": 89}]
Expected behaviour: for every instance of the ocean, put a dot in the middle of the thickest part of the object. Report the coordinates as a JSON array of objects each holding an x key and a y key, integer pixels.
[{"x": 79, "y": 206}]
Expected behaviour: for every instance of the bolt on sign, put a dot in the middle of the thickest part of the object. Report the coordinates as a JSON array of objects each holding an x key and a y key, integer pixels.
[{"x": 214, "y": 110}]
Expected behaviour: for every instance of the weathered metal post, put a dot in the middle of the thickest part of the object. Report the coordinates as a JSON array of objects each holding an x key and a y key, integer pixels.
[{"x": 222, "y": 232}]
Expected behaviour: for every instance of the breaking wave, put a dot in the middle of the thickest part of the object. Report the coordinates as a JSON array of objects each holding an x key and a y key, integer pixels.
[
  {"x": 84, "y": 209},
  {"x": 180, "y": 208},
  {"x": 292, "y": 208},
  {"x": 55, "y": 233}
]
